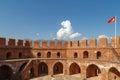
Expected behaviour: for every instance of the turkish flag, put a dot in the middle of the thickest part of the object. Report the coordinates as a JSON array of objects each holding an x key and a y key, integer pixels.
[{"x": 112, "y": 20}]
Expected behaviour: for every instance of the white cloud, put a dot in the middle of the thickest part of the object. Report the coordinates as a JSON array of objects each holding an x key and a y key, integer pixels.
[
  {"x": 74, "y": 35},
  {"x": 37, "y": 34},
  {"x": 103, "y": 36},
  {"x": 66, "y": 32},
  {"x": 84, "y": 38}
]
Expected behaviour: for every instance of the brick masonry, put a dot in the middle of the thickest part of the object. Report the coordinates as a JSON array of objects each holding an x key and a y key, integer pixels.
[{"x": 87, "y": 58}]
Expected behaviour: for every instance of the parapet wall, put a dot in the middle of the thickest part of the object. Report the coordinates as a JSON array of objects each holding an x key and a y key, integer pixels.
[
  {"x": 13, "y": 42},
  {"x": 102, "y": 42}
]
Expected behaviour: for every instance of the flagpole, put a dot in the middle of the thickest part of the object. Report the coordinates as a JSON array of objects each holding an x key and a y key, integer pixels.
[{"x": 115, "y": 32}]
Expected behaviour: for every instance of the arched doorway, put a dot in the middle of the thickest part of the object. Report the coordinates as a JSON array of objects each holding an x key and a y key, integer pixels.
[
  {"x": 42, "y": 69},
  {"x": 113, "y": 74},
  {"x": 58, "y": 68},
  {"x": 74, "y": 69},
  {"x": 92, "y": 70},
  {"x": 22, "y": 67},
  {"x": 6, "y": 73}
]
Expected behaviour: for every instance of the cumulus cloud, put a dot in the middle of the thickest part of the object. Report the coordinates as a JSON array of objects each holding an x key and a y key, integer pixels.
[
  {"x": 74, "y": 35},
  {"x": 66, "y": 32},
  {"x": 102, "y": 36}
]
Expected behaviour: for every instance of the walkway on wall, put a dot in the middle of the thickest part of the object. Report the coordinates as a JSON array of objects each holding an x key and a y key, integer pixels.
[
  {"x": 58, "y": 77},
  {"x": 27, "y": 59}
]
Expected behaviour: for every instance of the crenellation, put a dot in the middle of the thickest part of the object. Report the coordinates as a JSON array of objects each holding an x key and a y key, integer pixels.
[
  {"x": 69, "y": 57},
  {"x": 2, "y": 42},
  {"x": 37, "y": 44},
  {"x": 52, "y": 44},
  {"x": 28, "y": 43},
  {"x": 83, "y": 43},
  {"x": 70, "y": 44},
  {"x": 65, "y": 44},
  {"x": 44, "y": 44},
  {"x": 59, "y": 44},
  {"x": 93, "y": 42},
  {"x": 75, "y": 43},
  {"x": 11, "y": 42},
  {"x": 112, "y": 41},
  {"x": 20, "y": 43},
  {"x": 103, "y": 42},
  {"x": 118, "y": 41}
]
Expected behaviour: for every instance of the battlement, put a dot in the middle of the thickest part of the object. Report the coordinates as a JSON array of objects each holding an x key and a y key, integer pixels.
[
  {"x": 13, "y": 42},
  {"x": 101, "y": 42}
]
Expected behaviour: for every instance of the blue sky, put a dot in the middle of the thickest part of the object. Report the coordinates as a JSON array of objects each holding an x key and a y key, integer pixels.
[{"x": 41, "y": 19}]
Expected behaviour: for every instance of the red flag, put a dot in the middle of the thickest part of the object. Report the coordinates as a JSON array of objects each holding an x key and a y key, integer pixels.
[{"x": 112, "y": 20}]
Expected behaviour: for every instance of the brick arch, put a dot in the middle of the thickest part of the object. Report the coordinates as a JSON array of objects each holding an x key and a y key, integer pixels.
[
  {"x": 58, "y": 54},
  {"x": 74, "y": 69},
  {"x": 98, "y": 54},
  {"x": 22, "y": 67},
  {"x": 92, "y": 70},
  {"x": 8, "y": 64},
  {"x": 49, "y": 54},
  {"x": 42, "y": 69},
  {"x": 113, "y": 74},
  {"x": 75, "y": 55},
  {"x": 85, "y": 54},
  {"x": 6, "y": 72},
  {"x": 39, "y": 55},
  {"x": 58, "y": 68}
]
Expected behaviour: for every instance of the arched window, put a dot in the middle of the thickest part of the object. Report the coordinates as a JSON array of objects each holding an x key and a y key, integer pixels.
[
  {"x": 85, "y": 54},
  {"x": 39, "y": 55},
  {"x": 22, "y": 66},
  {"x": 98, "y": 55},
  {"x": 75, "y": 55},
  {"x": 48, "y": 54},
  {"x": 8, "y": 56},
  {"x": 58, "y": 55},
  {"x": 20, "y": 55}
]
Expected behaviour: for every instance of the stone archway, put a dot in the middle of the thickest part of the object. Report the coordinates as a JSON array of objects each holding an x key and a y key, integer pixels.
[
  {"x": 6, "y": 73},
  {"x": 74, "y": 69},
  {"x": 58, "y": 68},
  {"x": 113, "y": 74},
  {"x": 42, "y": 69},
  {"x": 92, "y": 70}
]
